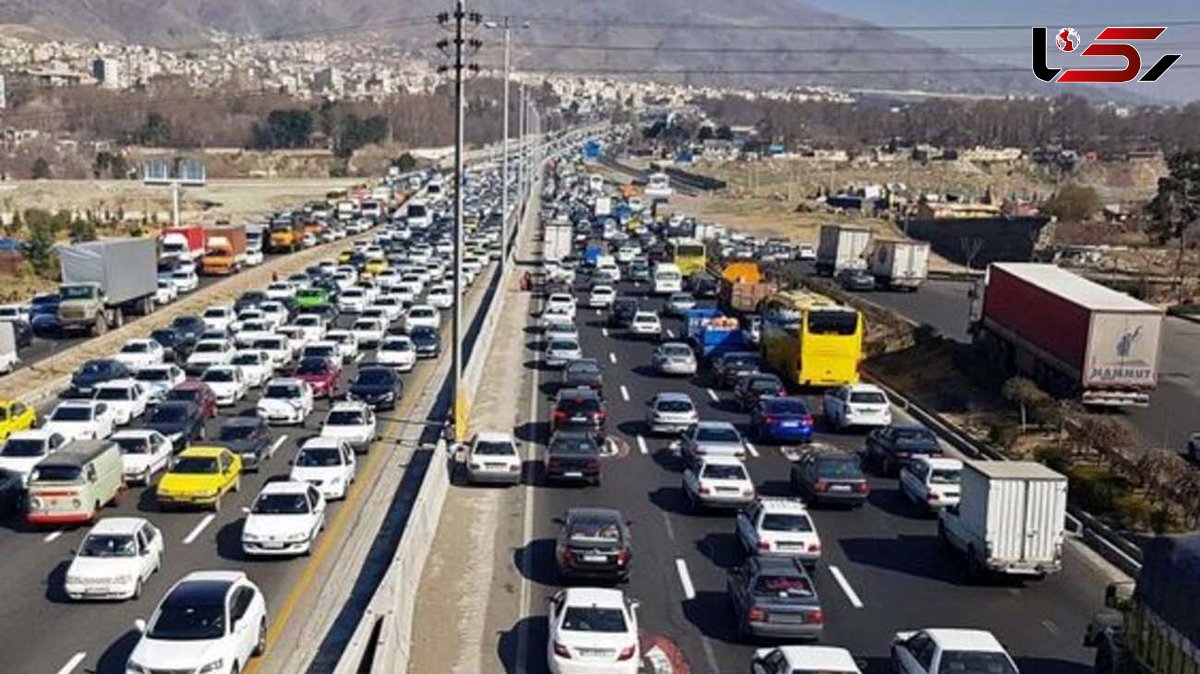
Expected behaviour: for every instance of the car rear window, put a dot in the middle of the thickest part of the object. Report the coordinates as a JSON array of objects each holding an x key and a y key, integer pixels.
[
  {"x": 674, "y": 406},
  {"x": 574, "y": 447},
  {"x": 724, "y": 472},
  {"x": 485, "y": 448},
  {"x": 717, "y": 435},
  {"x": 838, "y": 469},
  {"x": 787, "y": 522},
  {"x": 579, "y": 405},
  {"x": 783, "y": 586},
  {"x": 945, "y": 476},
  {"x": 786, "y": 406},
  {"x": 594, "y": 619},
  {"x": 974, "y": 662},
  {"x": 916, "y": 440}
]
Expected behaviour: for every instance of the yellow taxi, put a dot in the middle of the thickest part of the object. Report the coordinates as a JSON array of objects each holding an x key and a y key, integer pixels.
[
  {"x": 375, "y": 265},
  {"x": 345, "y": 256},
  {"x": 15, "y": 416},
  {"x": 200, "y": 476}
]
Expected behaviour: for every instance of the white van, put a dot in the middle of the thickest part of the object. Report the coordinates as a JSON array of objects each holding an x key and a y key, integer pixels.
[
  {"x": 70, "y": 486},
  {"x": 667, "y": 279},
  {"x": 416, "y": 215}
]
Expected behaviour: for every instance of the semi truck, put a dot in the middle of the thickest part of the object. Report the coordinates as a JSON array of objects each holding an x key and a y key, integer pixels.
[
  {"x": 899, "y": 265},
  {"x": 841, "y": 247},
  {"x": 184, "y": 243},
  {"x": 1074, "y": 337},
  {"x": 224, "y": 249},
  {"x": 1151, "y": 626},
  {"x": 105, "y": 280},
  {"x": 1010, "y": 520}
]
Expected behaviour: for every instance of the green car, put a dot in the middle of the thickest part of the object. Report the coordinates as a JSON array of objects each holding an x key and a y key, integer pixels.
[{"x": 312, "y": 298}]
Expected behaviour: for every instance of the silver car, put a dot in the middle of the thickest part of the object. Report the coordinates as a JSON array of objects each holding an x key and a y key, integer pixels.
[
  {"x": 670, "y": 413},
  {"x": 674, "y": 358},
  {"x": 678, "y": 303},
  {"x": 561, "y": 351},
  {"x": 711, "y": 438}
]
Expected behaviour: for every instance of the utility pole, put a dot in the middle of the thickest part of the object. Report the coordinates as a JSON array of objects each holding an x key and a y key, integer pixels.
[
  {"x": 505, "y": 229},
  {"x": 523, "y": 167}
]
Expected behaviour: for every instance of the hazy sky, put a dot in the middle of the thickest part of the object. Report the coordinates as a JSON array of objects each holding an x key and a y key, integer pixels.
[{"x": 993, "y": 45}]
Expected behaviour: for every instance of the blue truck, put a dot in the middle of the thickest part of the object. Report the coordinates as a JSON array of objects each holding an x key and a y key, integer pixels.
[{"x": 712, "y": 333}]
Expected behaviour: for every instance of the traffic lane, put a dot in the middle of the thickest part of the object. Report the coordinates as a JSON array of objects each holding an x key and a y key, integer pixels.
[{"x": 946, "y": 305}]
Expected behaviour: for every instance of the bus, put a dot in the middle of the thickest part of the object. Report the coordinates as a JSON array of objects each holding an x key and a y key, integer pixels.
[
  {"x": 689, "y": 255},
  {"x": 811, "y": 340}
]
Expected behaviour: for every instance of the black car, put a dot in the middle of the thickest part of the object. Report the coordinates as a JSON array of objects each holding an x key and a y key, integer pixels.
[
  {"x": 175, "y": 346},
  {"x": 583, "y": 373},
  {"x": 593, "y": 544},
  {"x": 94, "y": 372},
  {"x": 573, "y": 455},
  {"x": 248, "y": 299},
  {"x": 22, "y": 333},
  {"x": 189, "y": 327},
  {"x": 774, "y": 597},
  {"x": 621, "y": 314},
  {"x": 579, "y": 408},
  {"x": 856, "y": 279},
  {"x": 750, "y": 388},
  {"x": 890, "y": 448},
  {"x": 182, "y": 422},
  {"x": 426, "y": 341},
  {"x": 727, "y": 367},
  {"x": 377, "y": 385},
  {"x": 829, "y": 477},
  {"x": 702, "y": 285},
  {"x": 249, "y": 438}
]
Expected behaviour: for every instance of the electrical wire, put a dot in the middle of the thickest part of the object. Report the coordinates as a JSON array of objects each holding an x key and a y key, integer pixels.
[{"x": 812, "y": 28}]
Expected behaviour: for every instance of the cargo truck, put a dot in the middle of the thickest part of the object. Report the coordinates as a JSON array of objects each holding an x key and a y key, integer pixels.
[
  {"x": 224, "y": 249},
  {"x": 8, "y": 347},
  {"x": 1010, "y": 519},
  {"x": 1151, "y": 626},
  {"x": 899, "y": 265},
  {"x": 103, "y": 281},
  {"x": 1074, "y": 337},
  {"x": 742, "y": 286},
  {"x": 559, "y": 242},
  {"x": 183, "y": 243},
  {"x": 840, "y": 247},
  {"x": 711, "y": 333},
  {"x": 286, "y": 236}
]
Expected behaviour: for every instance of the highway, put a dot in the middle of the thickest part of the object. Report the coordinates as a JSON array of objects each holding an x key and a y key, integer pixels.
[{"x": 882, "y": 570}]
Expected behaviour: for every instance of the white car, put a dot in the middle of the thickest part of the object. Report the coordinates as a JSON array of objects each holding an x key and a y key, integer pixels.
[
  {"x": 788, "y": 659},
  {"x": 144, "y": 452},
  {"x": 397, "y": 352},
  {"x": 931, "y": 651},
  {"x": 285, "y": 401},
  {"x": 391, "y": 305},
  {"x": 284, "y": 520},
  {"x": 592, "y": 631},
  {"x": 440, "y": 296},
  {"x": 313, "y": 326},
  {"x": 646, "y": 324},
  {"x": 352, "y": 300},
  {"x": 207, "y": 353},
  {"x": 347, "y": 343},
  {"x": 250, "y": 331},
  {"x": 561, "y": 303},
  {"x": 422, "y": 314},
  {"x": 210, "y": 621},
  {"x": 602, "y": 297},
  {"x": 254, "y": 257},
  {"x": 185, "y": 281},
  {"x": 219, "y": 317},
  {"x": 256, "y": 366},
  {"x": 116, "y": 558},
  {"x": 561, "y": 350},
  {"x": 227, "y": 383},
  {"x": 296, "y": 338},
  {"x": 281, "y": 290},
  {"x": 326, "y": 463},
  {"x": 857, "y": 405},
  {"x": 556, "y": 314},
  {"x": 493, "y": 457},
  {"x": 718, "y": 482},
  {"x": 779, "y": 527},
  {"x": 353, "y": 422},
  {"x": 24, "y": 449},
  {"x": 138, "y": 353},
  {"x": 81, "y": 420},
  {"x": 274, "y": 312},
  {"x": 167, "y": 291},
  {"x": 563, "y": 329},
  {"x": 369, "y": 331},
  {"x": 277, "y": 347},
  {"x": 932, "y": 482},
  {"x": 127, "y": 399},
  {"x": 159, "y": 379},
  {"x": 806, "y": 252}
]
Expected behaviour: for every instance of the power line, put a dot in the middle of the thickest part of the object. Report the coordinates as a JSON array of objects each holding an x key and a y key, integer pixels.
[
  {"x": 803, "y": 71},
  {"x": 818, "y": 28},
  {"x": 564, "y": 46}
]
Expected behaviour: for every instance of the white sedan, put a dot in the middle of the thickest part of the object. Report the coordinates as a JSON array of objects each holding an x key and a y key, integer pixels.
[
  {"x": 857, "y": 405},
  {"x": 592, "y": 631},
  {"x": 440, "y": 296},
  {"x": 207, "y": 353},
  {"x": 256, "y": 366},
  {"x": 353, "y": 422},
  {"x": 185, "y": 280},
  {"x": 718, "y": 481},
  {"x": 492, "y": 458},
  {"x": 144, "y": 452},
  {"x": 602, "y": 297},
  {"x": 167, "y": 291},
  {"x": 326, "y": 463},
  {"x": 347, "y": 343},
  {"x": 949, "y": 650},
  {"x": 284, "y": 520},
  {"x": 114, "y": 560},
  {"x": 281, "y": 290},
  {"x": 422, "y": 315},
  {"x": 219, "y": 317},
  {"x": 138, "y": 353},
  {"x": 159, "y": 379},
  {"x": 369, "y": 331},
  {"x": 285, "y": 401},
  {"x": 126, "y": 399},
  {"x": 227, "y": 383},
  {"x": 81, "y": 420},
  {"x": 397, "y": 352},
  {"x": 825, "y": 659},
  {"x": 561, "y": 303}
]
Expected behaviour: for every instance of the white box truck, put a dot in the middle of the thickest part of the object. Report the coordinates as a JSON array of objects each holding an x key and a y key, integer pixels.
[
  {"x": 840, "y": 247},
  {"x": 1010, "y": 520},
  {"x": 900, "y": 265},
  {"x": 603, "y": 207},
  {"x": 8, "y": 347}
]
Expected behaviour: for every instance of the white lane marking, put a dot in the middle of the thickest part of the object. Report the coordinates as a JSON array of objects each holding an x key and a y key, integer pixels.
[
  {"x": 712, "y": 395},
  {"x": 1050, "y": 626},
  {"x": 278, "y": 442},
  {"x": 667, "y": 520},
  {"x": 199, "y": 528},
  {"x": 612, "y": 357},
  {"x": 527, "y": 525},
  {"x": 72, "y": 663},
  {"x": 670, "y": 333},
  {"x": 642, "y": 444},
  {"x": 689, "y": 591},
  {"x": 604, "y": 331},
  {"x": 624, "y": 393},
  {"x": 752, "y": 449},
  {"x": 845, "y": 585},
  {"x": 53, "y": 535},
  {"x": 358, "y": 357}
]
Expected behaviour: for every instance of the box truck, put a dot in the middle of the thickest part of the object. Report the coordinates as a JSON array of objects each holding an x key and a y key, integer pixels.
[
  {"x": 8, "y": 347},
  {"x": 103, "y": 281},
  {"x": 1011, "y": 518},
  {"x": 840, "y": 247},
  {"x": 1074, "y": 337},
  {"x": 185, "y": 242},
  {"x": 224, "y": 249},
  {"x": 899, "y": 265}
]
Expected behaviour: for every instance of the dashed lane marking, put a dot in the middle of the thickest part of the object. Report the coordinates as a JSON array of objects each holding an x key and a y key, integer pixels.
[
  {"x": 712, "y": 395},
  {"x": 53, "y": 535},
  {"x": 72, "y": 663},
  {"x": 685, "y": 579},
  {"x": 624, "y": 393},
  {"x": 612, "y": 357},
  {"x": 195, "y": 533},
  {"x": 275, "y": 447},
  {"x": 604, "y": 331},
  {"x": 670, "y": 333},
  {"x": 641, "y": 442},
  {"x": 667, "y": 522},
  {"x": 752, "y": 449},
  {"x": 845, "y": 585}
]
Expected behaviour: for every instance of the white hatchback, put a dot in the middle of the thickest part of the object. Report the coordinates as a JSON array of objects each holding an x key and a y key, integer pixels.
[
  {"x": 127, "y": 399},
  {"x": 353, "y": 422},
  {"x": 227, "y": 383},
  {"x": 492, "y": 458},
  {"x": 857, "y": 405},
  {"x": 144, "y": 452},
  {"x": 602, "y": 297},
  {"x": 114, "y": 560}
]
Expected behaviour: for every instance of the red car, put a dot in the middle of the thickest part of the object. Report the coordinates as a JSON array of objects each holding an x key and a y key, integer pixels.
[
  {"x": 198, "y": 392},
  {"x": 320, "y": 373}
]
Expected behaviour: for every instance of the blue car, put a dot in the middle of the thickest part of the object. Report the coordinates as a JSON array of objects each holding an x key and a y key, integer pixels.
[{"x": 781, "y": 419}]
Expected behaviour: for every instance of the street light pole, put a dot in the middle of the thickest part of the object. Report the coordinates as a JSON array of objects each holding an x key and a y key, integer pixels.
[
  {"x": 460, "y": 399},
  {"x": 504, "y": 226}
]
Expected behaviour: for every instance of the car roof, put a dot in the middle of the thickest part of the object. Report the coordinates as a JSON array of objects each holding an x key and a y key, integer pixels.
[
  {"x": 783, "y": 504},
  {"x": 710, "y": 423},
  {"x": 780, "y": 565},
  {"x": 593, "y": 513},
  {"x": 286, "y": 381},
  {"x": 943, "y": 463},
  {"x": 578, "y": 392},
  {"x": 351, "y": 405},
  {"x": 321, "y": 442},
  {"x": 718, "y": 460},
  {"x": 118, "y": 525},
  {"x": 673, "y": 395},
  {"x": 204, "y": 587},
  {"x": 203, "y": 451},
  {"x": 129, "y": 433},
  {"x": 493, "y": 436},
  {"x": 284, "y": 487},
  {"x": 819, "y": 658},
  {"x": 243, "y": 421},
  {"x": 124, "y": 382},
  {"x": 864, "y": 387},
  {"x": 965, "y": 640},
  {"x": 594, "y": 596}
]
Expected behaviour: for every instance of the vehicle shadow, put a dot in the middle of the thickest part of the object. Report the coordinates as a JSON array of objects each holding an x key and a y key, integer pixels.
[
  {"x": 1052, "y": 666},
  {"x": 633, "y": 428},
  {"x": 775, "y": 488},
  {"x": 894, "y": 502},
  {"x": 711, "y": 614},
  {"x": 532, "y": 660},
  {"x": 115, "y": 657},
  {"x": 229, "y": 541},
  {"x": 671, "y": 500},
  {"x": 533, "y": 431},
  {"x": 669, "y": 460},
  {"x": 538, "y": 366},
  {"x": 56, "y": 583},
  {"x": 722, "y": 549},
  {"x": 918, "y": 556},
  {"x": 147, "y": 501},
  {"x": 535, "y": 561}
]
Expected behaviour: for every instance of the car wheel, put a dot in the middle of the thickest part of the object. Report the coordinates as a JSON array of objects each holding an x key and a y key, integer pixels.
[
  {"x": 203, "y": 434},
  {"x": 216, "y": 504},
  {"x": 237, "y": 484},
  {"x": 137, "y": 590}
]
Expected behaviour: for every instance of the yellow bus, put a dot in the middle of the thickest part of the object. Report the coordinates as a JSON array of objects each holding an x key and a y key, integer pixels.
[
  {"x": 689, "y": 255},
  {"x": 811, "y": 340}
]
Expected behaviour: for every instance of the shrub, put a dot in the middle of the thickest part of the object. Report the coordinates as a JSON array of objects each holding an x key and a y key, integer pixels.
[
  {"x": 1054, "y": 457},
  {"x": 1003, "y": 433},
  {"x": 1094, "y": 489},
  {"x": 1132, "y": 511}
]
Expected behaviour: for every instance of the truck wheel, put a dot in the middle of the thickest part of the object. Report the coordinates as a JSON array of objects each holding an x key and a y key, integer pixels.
[
  {"x": 974, "y": 567},
  {"x": 118, "y": 317},
  {"x": 100, "y": 326}
]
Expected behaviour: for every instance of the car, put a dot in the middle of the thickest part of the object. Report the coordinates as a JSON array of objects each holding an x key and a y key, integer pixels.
[
  {"x": 591, "y": 631},
  {"x": 728, "y": 366},
  {"x": 348, "y": 346},
  {"x": 791, "y": 659},
  {"x": 249, "y": 331},
  {"x": 755, "y": 386},
  {"x": 702, "y": 285},
  {"x": 806, "y": 252},
  {"x": 185, "y": 280},
  {"x": 208, "y": 352},
  {"x": 312, "y": 297},
  {"x": 583, "y": 373},
  {"x": 200, "y": 476},
  {"x": 594, "y": 545},
  {"x": 249, "y": 438},
  {"x": 639, "y": 272},
  {"x": 710, "y": 438},
  {"x": 561, "y": 329},
  {"x": 137, "y": 353},
  {"x": 281, "y": 290},
  {"x": 312, "y": 327},
  {"x": 622, "y": 311},
  {"x": 369, "y": 331},
  {"x": 188, "y": 327},
  {"x": 932, "y": 483},
  {"x": 210, "y": 621},
  {"x": 717, "y": 482},
  {"x": 573, "y": 455},
  {"x": 828, "y": 476},
  {"x": 646, "y": 324},
  {"x": 24, "y": 449},
  {"x": 326, "y": 463},
  {"x": 493, "y": 458},
  {"x": 284, "y": 520},
  {"x": 440, "y": 296},
  {"x": 256, "y": 366},
  {"x": 197, "y": 392},
  {"x": 579, "y": 408},
  {"x": 278, "y": 348},
  {"x": 15, "y": 416},
  {"x": 329, "y": 350},
  {"x": 115, "y": 559},
  {"x": 144, "y": 453},
  {"x": 778, "y": 527},
  {"x": 94, "y": 372},
  {"x": 227, "y": 383},
  {"x": 674, "y": 359},
  {"x": 775, "y": 598},
  {"x": 219, "y": 317},
  {"x": 561, "y": 303},
  {"x": 931, "y": 651},
  {"x": 422, "y": 315},
  {"x": 855, "y": 279},
  {"x": 180, "y": 420},
  {"x": 427, "y": 341},
  {"x": 670, "y": 413},
  {"x": 561, "y": 351},
  {"x": 397, "y": 352},
  {"x": 556, "y": 314},
  {"x": 781, "y": 419},
  {"x": 601, "y": 297},
  {"x": 352, "y": 421},
  {"x": 857, "y": 405},
  {"x": 127, "y": 399},
  {"x": 81, "y": 420},
  {"x": 679, "y": 303},
  {"x": 890, "y": 448},
  {"x": 376, "y": 386},
  {"x": 321, "y": 374},
  {"x": 250, "y": 299},
  {"x": 285, "y": 401}
]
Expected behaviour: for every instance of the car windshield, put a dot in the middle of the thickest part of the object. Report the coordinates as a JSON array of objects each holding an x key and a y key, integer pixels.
[
  {"x": 786, "y": 406},
  {"x": 246, "y": 359},
  {"x": 134, "y": 444},
  {"x": 717, "y": 434},
  {"x": 868, "y": 398},
  {"x": 184, "y": 394},
  {"x": 209, "y": 347},
  {"x": 17, "y": 447},
  {"x": 269, "y": 344},
  {"x": 975, "y": 662},
  {"x": 281, "y": 504},
  {"x": 489, "y": 448},
  {"x": 183, "y": 619},
  {"x": 594, "y": 619},
  {"x": 916, "y": 440},
  {"x": 112, "y": 393},
  {"x": 832, "y": 322},
  {"x": 135, "y": 347},
  {"x": 169, "y": 414},
  {"x": 317, "y": 457},
  {"x": 312, "y": 366},
  {"x": 674, "y": 406},
  {"x": 563, "y": 345},
  {"x": 786, "y": 522},
  {"x": 783, "y": 586},
  {"x": 108, "y": 545},
  {"x": 152, "y": 375},
  {"x": 937, "y": 476},
  {"x": 723, "y": 472},
  {"x": 236, "y": 432},
  {"x": 72, "y": 413},
  {"x": 839, "y": 469},
  {"x": 282, "y": 391},
  {"x": 579, "y": 405},
  {"x": 345, "y": 418},
  {"x": 765, "y": 384},
  {"x": 217, "y": 375},
  {"x": 396, "y": 345},
  {"x": 95, "y": 367},
  {"x": 195, "y": 465},
  {"x": 56, "y": 474},
  {"x": 574, "y": 446}
]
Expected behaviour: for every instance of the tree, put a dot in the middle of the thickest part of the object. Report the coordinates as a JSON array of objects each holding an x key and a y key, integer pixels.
[
  {"x": 1024, "y": 394},
  {"x": 155, "y": 131},
  {"x": 41, "y": 169},
  {"x": 39, "y": 249},
  {"x": 290, "y": 128},
  {"x": 82, "y": 230},
  {"x": 1177, "y": 204},
  {"x": 1073, "y": 203},
  {"x": 406, "y": 162},
  {"x": 355, "y": 132}
]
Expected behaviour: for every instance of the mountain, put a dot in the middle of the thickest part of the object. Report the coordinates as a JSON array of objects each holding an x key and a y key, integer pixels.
[{"x": 681, "y": 29}]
